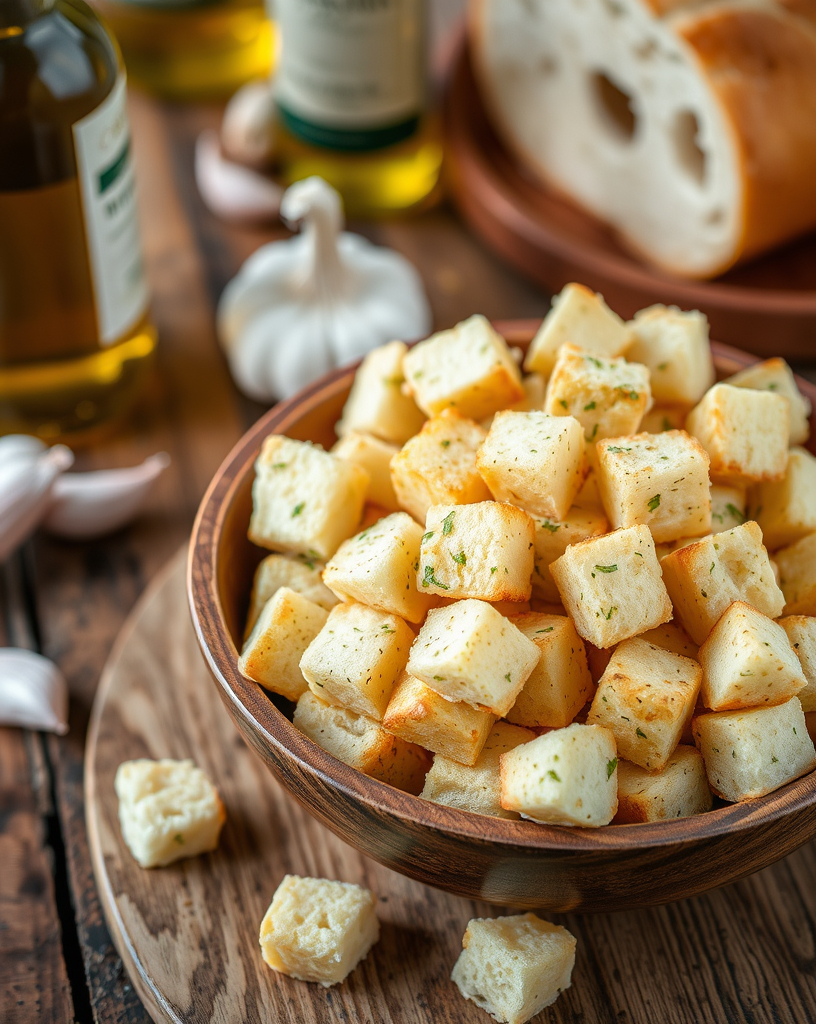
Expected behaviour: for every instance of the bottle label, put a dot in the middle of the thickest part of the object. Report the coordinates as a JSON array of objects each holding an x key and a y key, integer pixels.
[
  {"x": 351, "y": 73},
  {"x": 108, "y": 188}
]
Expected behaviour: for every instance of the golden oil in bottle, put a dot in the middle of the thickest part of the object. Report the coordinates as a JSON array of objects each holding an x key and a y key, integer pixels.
[
  {"x": 351, "y": 93},
  {"x": 191, "y": 49},
  {"x": 75, "y": 335}
]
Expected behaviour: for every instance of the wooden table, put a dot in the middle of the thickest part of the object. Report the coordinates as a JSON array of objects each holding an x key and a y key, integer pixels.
[{"x": 57, "y": 962}]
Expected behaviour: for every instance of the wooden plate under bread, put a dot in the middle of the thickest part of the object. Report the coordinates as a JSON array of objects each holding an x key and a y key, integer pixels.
[{"x": 767, "y": 306}]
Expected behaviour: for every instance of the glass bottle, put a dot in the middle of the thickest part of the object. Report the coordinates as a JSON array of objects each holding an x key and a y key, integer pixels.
[
  {"x": 352, "y": 98},
  {"x": 75, "y": 334}
]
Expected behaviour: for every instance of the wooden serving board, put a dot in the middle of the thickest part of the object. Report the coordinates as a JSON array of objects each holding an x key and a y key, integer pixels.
[{"x": 188, "y": 934}]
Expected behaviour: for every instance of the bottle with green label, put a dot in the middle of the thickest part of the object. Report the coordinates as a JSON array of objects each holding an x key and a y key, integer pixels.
[
  {"x": 352, "y": 97},
  {"x": 76, "y": 338}
]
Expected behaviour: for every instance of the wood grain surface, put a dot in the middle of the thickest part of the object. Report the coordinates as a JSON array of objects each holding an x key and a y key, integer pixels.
[{"x": 188, "y": 933}]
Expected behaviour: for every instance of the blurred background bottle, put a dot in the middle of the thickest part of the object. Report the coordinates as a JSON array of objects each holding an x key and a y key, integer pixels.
[
  {"x": 75, "y": 334},
  {"x": 352, "y": 96}
]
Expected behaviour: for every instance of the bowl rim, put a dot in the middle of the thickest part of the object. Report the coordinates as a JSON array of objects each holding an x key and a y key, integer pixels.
[{"x": 250, "y": 702}]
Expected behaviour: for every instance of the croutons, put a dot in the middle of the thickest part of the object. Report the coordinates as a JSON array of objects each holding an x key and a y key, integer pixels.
[
  {"x": 664, "y": 417},
  {"x": 271, "y": 655},
  {"x": 644, "y": 698},
  {"x": 356, "y": 658},
  {"x": 553, "y": 538},
  {"x": 475, "y": 788},
  {"x": 672, "y": 638},
  {"x": 377, "y": 404},
  {"x": 775, "y": 375},
  {"x": 564, "y": 777},
  {"x": 608, "y": 397},
  {"x": 438, "y": 465},
  {"x": 560, "y": 684},
  {"x": 374, "y": 456},
  {"x": 468, "y": 368},
  {"x": 304, "y": 500},
  {"x": 678, "y": 790},
  {"x": 786, "y": 509},
  {"x": 801, "y": 633},
  {"x": 674, "y": 346},
  {"x": 657, "y": 479},
  {"x": 727, "y": 508},
  {"x": 746, "y": 433},
  {"x": 513, "y": 967},
  {"x": 378, "y": 567},
  {"x": 612, "y": 586},
  {"x": 704, "y": 578},
  {"x": 362, "y": 744},
  {"x": 483, "y": 551},
  {"x": 534, "y": 460},
  {"x": 750, "y": 753},
  {"x": 470, "y": 652},
  {"x": 747, "y": 661},
  {"x": 418, "y": 714},
  {"x": 167, "y": 810},
  {"x": 302, "y": 574},
  {"x": 318, "y": 930},
  {"x": 582, "y": 318},
  {"x": 797, "y": 576}
]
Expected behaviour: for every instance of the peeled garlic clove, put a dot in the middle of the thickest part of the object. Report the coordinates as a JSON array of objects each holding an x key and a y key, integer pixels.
[
  {"x": 20, "y": 446},
  {"x": 93, "y": 504},
  {"x": 27, "y": 474},
  {"x": 231, "y": 190},
  {"x": 33, "y": 692},
  {"x": 248, "y": 126}
]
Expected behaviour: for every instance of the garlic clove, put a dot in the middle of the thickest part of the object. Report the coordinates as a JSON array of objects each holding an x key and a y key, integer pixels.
[
  {"x": 33, "y": 692},
  {"x": 231, "y": 190},
  {"x": 27, "y": 474},
  {"x": 248, "y": 125},
  {"x": 20, "y": 446},
  {"x": 94, "y": 504}
]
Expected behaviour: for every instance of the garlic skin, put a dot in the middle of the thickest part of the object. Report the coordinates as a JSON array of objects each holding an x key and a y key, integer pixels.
[
  {"x": 300, "y": 307},
  {"x": 94, "y": 504},
  {"x": 27, "y": 473},
  {"x": 230, "y": 190},
  {"x": 248, "y": 125},
  {"x": 33, "y": 692}
]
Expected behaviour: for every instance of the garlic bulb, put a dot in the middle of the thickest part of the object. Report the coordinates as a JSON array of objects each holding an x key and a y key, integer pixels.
[
  {"x": 231, "y": 190},
  {"x": 248, "y": 125},
  {"x": 33, "y": 692},
  {"x": 300, "y": 307},
  {"x": 27, "y": 472}
]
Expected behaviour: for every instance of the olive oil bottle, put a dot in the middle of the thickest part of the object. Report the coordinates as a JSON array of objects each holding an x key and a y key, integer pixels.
[
  {"x": 75, "y": 334},
  {"x": 352, "y": 98}
]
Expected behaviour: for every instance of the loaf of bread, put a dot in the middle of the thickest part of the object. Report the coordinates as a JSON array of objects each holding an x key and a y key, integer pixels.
[{"x": 689, "y": 127}]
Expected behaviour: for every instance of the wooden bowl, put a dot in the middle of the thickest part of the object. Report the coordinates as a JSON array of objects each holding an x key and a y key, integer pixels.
[{"x": 514, "y": 863}]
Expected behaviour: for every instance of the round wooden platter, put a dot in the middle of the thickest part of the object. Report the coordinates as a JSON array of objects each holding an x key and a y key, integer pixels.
[
  {"x": 767, "y": 306},
  {"x": 188, "y": 933}
]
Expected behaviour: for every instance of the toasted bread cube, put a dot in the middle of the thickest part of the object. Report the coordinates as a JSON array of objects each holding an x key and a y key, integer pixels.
[
  {"x": 438, "y": 466},
  {"x": 483, "y": 551},
  {"x": 304, "y": 500},
  {"x": 661, "y": 418},
  {"x": 475, "y": 788},
  {"x": 786, "y": 509},
  {"x": 674, "y": 346},
  {"x": 797, "y": 576},
  {"x": 775, "y": 375},
  {"x": 705, "y": 577},
  {"x": 671, "y": 637},
  {"x": 378, "y": 568},
  {"x": 535, "y": 387},
  {"x": 564, "y": 777},
  {"x": 535, "y": 461},
  {"x": 753, "y": 752},
  {"x": 418, "y": 714},
  {"x": 748, "y": 661},
  {"x": 589, "y": 497},
  {"x": 362, "y": 744},
  {"x": 302, "y": 574},
  {"x": 167, "y": 810},
  {"x": 356, "y": 658},
  {"x": 514, "y": 966},
  {"x": 608, "y": 397},
  {"x": 657, "y": 479},
  {"x": 801, "y": 633},
  {"x": 582, "y": 318},
  {"x": 271, "y": 655},
  {"x": 468, "y": 368},
  {"x": 678, "y": 790},
  {"x": 612, "y": 586},
  {"x": 374, "y": 456},
  {"x": 470, "y": 652},
  {"x": 560, "y": 684},
  {"x": 644, "y": 698},
  {"x": 318, "y": 930},
  {"x": 553, "y": 538},
  {"x": 377, "y": 404},
  {"x": 746, "y": 433},
  {"x": 728, "y": 507}
]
